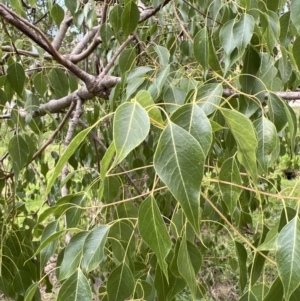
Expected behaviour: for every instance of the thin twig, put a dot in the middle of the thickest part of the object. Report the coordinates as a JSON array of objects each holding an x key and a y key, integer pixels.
[
  {"x": 51, "y": 139},
  {"x": 102, "y": 145},
  {"x": 180, "y": 23}
]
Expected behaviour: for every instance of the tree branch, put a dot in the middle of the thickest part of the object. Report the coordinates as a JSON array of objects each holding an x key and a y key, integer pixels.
[
  {"x": 63, "y": 28},
  {"x": 147, "y": 13}
]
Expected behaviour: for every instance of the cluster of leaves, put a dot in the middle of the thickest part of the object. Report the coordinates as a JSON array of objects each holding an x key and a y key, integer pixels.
[{"x": 182, "y": 118}]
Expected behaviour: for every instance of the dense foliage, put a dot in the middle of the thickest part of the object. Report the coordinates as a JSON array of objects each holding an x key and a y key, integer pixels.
[{"x": 139, "y": 141}]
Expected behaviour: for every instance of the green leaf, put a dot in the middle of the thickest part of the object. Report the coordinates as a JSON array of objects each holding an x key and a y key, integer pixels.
[
  {"x": 16, "y": 77},
  {"x": 230, "y": 173},
  {"x": 138, "y": 72},
  {"x": 275, "y": 292},
  {"x": 48, "y": 251},
  {"x": 66, "y": 156},
  {"x": 209, "y": 97},
  {"x": 75, "y": 288},
  {"x": 130, "y": 18},
  {"x": 173, "y": 98},
  {"x": 245, "y": 137},
  {"x": 111, "y": 189},
  {"x": 161, "y": 77},
  {"x": 288, "y": 256},
  {"x": 59, "y": 82},
  {"x": 179, "y": 162},
  {"x": 243, "y": 31},
  {"x": 227, "y": 38},
  {"x": 73, "y": 214},
  {"x": 115, "y": 17},
  {"x": 191, "y": 118},
  {"x": 276, "y": 111},
  {"x": 131, "y": 127},
  {"x": 201, "y": 49},
  {"x": 255, "y": 293},
  {"x": 268, "y": 143},
  {"x": 40, "y": 83},
  {"x": 106, "y": 160},
  {"x": 57, "y": 14},
  {"x": 120, "y": 283},
  {"x": 31, "y": 291},
  {"x": 163, "y": 54},
  {"x": 292, "y": 123},
  {"x": 296, "y": 51},
  {"x": 22, "y": 281},
  {"x": 106, "y": 33},
  {"x": 19, "y": 152},
  {"x": 145, "y": 100},
  {"x": 154, "y": 232},
  {"x": 93, "y": 248},
  {"x": 295, "y": 12},
  {"x": 126, "y": 59},
  {"x": 185, "y": 267},
  {"x": 71, "y": 6},
  {"x": 72, "y": 255},
  {"x": 242, "y": 258}
]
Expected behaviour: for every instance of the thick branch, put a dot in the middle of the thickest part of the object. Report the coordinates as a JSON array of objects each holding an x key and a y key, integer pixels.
[
  {"x": 147, "y": 13},
  {"x": 65, "y": 24},
  {"x": 82, "y": 44}
]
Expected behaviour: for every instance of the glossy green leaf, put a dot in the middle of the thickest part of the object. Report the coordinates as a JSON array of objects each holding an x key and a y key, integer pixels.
[
  {"x": 72, "y": 255},
  {"x": 288, "y": 256},
  {"x": 130, "y": 18},
  {"x": 57, "y": 14},
  {"x": 191, "y": 118},
  {"x": 93, "y": 248},
  {"x": 127, "y": 59},
  {"x": 209, "y": 97},
  {"x": 73, "y": 214},
  {"x": 185, "y": 267},
  {"x": 71, "y": 6},
  {"x": 75, "y": 288},
  {"x": 59, "y": 82},
  {"x": 106, "y": 160},
  {"x": 295, "y": 12},
  {"x": 145, "y": 100},
  {"x": 268, "y": 143},
  {"x": 19, "y": 152},
  {"x": 201, "y": 49},
  {"x": 292, "y": 123},
  {"x": 243, "y": 31},
  {"x": 47, "y": 252},
  {"x": 120, "y": 283},
  {"x": 153, "y": 231},
  {"x": 227, "y": 38},
  {"x": 255, "y": 293},
  {"x": 242, "y": 259},
  {"x": 179, "y": 162},
  {"x": 106, "y": 33},
  {"x": 16, "y": 77},
  {"x": 275, "y": 292},
  {"x": 276, "y": 111},
  {"x": 173, "y": 97},
  {"x": 163, "y": 54},
  {"x": 40, "y": 83},
  {"x": 111, "y": 189},
  {"x": 245, "y": 137},
  {"x": 65, "y": 157},
  {"x": 131, "y": 127},
  {"x": 230, "y": 173},
  {"x": 115, "y": 17},
  {"x": 31, "y": 291}
]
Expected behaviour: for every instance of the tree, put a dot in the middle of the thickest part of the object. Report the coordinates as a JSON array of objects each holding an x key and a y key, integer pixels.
[{"x": 137, "y": 137}]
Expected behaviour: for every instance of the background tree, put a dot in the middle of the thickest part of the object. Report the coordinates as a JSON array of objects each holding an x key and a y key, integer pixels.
[{"x": 138, "y": 146}]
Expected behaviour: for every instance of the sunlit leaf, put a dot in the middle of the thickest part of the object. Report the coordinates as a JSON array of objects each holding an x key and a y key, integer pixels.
[
  {"x": 131, "y": 127},
  {"x": 179, "y": 162}
]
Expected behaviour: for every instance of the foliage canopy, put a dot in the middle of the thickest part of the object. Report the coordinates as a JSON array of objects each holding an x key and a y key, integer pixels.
[{"x": 139, "y": 141}]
